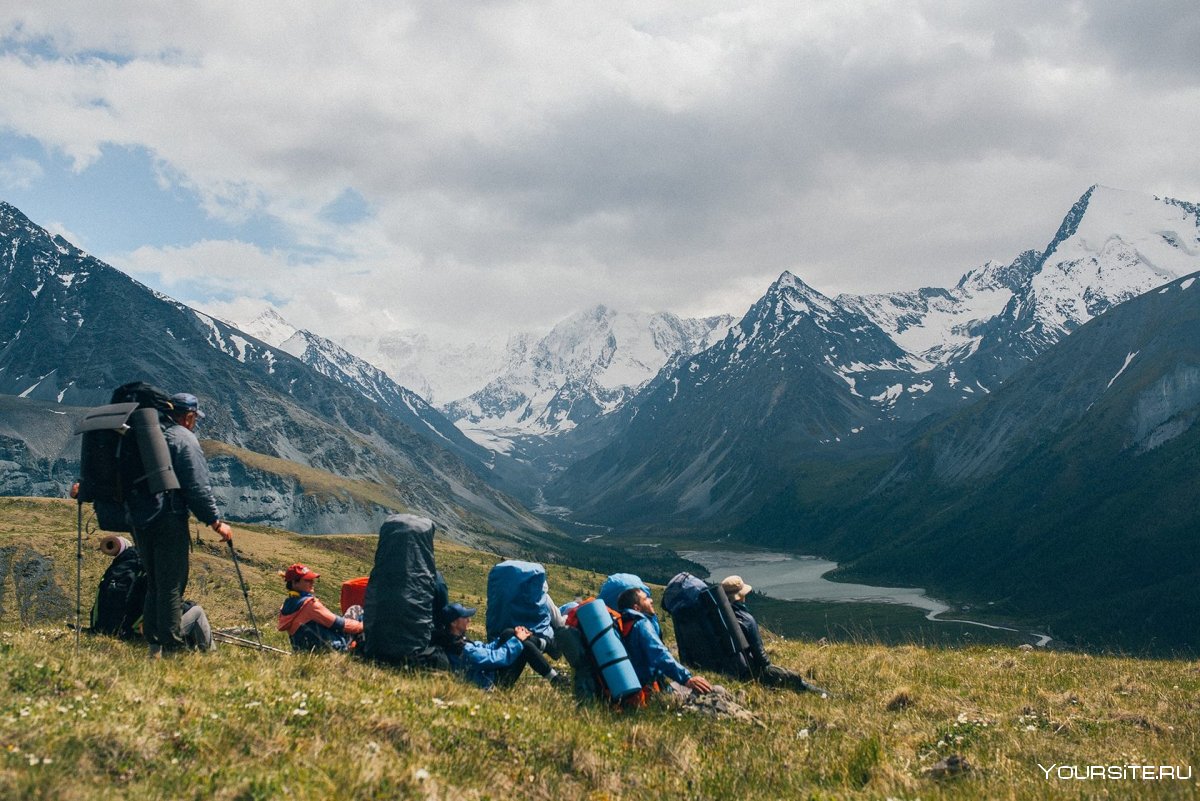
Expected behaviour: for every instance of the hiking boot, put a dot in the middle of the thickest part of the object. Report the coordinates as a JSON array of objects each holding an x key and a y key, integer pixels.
[
  {"x": 561, "y": 681},
  {"x": 155, "y": 651}
]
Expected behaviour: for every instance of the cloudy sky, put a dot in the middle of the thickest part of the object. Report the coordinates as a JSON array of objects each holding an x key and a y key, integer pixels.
[{"x": 474, "y": 168}]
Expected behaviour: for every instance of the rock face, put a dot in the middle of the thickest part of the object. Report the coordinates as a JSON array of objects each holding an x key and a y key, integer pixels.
[{"x": 72, "y": 328}]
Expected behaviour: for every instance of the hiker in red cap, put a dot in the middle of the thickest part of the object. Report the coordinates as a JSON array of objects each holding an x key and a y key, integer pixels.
[{"x": 309, "y": 624}]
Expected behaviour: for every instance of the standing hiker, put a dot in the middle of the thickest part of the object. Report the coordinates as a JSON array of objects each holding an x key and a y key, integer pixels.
[
  {"x": 761, "y": 669},
  {"x": 160, "y": 527}
]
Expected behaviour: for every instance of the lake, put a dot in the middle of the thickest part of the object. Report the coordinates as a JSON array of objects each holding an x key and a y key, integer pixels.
[{"x": 790, "y": 577}]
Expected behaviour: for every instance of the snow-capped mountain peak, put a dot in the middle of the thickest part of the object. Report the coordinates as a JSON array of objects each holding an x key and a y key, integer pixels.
[
  {"x": 1113, "y": 246},
  {"x": 586, "y": 366},
  {"x": 271, "y": 328}
]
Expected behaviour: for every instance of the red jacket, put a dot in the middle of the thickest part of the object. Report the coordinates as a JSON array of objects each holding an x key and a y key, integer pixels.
[{"x": 301, "y": 608}]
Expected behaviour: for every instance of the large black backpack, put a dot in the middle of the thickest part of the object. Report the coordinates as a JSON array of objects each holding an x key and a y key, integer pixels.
[
  {"x": 402, "y": 591},
  {"x": 706, "y": 630},
  {"x": 112, "y": 466},
  {"x": 121, "y": 597}
]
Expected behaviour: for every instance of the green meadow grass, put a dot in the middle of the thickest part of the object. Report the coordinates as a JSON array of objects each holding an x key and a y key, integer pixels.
[{"x": 102, "y": 721}]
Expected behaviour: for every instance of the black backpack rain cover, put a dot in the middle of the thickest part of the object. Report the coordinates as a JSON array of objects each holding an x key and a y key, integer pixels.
[
  {"x": 707, "y": 639},
  {"x": 398, "y": 608},
  {"x": 121, "y": 597}
]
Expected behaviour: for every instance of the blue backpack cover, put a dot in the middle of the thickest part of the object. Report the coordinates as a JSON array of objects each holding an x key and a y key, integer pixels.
[
  {"x": 616, "y": 584},
  {"x": 517, "y": 596}
]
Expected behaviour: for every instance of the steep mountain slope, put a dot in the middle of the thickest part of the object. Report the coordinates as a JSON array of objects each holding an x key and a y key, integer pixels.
[
  {"x": 1070, "y": 493},
  {"x": 335, "y": 362},
  {"x": 72, "y": 328},
  {"x": 708, "y": 444},
  {"x": 1111, "y": 246}
]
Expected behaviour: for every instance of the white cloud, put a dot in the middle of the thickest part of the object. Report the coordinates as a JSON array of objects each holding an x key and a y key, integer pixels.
[
  {"x": 522, "y": 160},
  {"x": 19, "y": 173}
]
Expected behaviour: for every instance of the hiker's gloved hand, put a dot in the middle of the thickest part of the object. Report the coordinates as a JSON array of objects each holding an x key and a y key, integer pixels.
[
  {"x": 222, "y": 528},
  {"x": 699, "y": 684}
]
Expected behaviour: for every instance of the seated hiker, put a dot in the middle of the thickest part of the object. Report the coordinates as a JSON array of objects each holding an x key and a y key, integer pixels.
[
  {"x": 647, "y": 653},
  {"x": 518, "y": 595},
  {"x": 309, "y": 624},
  {"x": 197, "y": 632},
  {"x": 761, "y": 669},
  {"x": 498, "y": 662}
]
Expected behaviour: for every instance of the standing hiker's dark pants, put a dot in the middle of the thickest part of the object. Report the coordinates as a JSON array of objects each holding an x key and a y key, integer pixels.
[
  {"x": 530, "y": 655},
  {"x": 164, "y": 546}
]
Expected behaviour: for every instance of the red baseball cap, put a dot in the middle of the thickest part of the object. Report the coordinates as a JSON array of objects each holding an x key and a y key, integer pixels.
[{"x": 299, "y": 572}]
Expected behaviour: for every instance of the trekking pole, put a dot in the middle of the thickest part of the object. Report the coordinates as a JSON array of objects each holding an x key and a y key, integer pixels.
[
  {"x": 78, "y": 570},
  {"x": 245, "y": 591},
  {"x": 244, "y": 643}
]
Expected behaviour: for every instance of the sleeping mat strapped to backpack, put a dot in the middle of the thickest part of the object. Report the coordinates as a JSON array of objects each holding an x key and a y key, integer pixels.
[
  {"x": 123, "y": 453},
  {"x": 603, "y": 641}
]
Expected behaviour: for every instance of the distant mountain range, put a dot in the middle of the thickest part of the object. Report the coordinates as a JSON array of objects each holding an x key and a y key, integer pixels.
[
  {"x": 806, "y": 376},
  {"x": 72, "y": 328}
]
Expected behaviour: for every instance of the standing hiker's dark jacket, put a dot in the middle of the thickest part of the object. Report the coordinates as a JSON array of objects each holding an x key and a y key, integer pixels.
[
  {"x": 757, "y": 655},
  {"x": 195, "y": 488},
  {"x": 647, "y": 653}
]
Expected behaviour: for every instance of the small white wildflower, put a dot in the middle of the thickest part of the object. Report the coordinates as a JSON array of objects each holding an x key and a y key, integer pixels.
[
  {"x": 373, "y": 747},
  {"x": 1031, "y": 728},
  {"x": 421, "y": 775},
  {"x": 26, "y": 712},
  {"x": 174, "y": 760},
  {"x": 46, "y": 760},
  {"x": 301, "y": 711},
  {"x": 507, "y": 716},
  {"x": 802, "y": 734}
]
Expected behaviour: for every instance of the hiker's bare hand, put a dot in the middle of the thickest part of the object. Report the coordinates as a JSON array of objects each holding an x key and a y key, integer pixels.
[
  {"x": 223, "y": 529},
  {"x": 522, "y": 633},
  {"x": 699, "y": 684}
]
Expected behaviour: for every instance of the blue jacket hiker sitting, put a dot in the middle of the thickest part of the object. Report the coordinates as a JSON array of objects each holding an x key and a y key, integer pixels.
[
  {"x": 647, "y": 652},
  {"x": 488, "y": 664}
]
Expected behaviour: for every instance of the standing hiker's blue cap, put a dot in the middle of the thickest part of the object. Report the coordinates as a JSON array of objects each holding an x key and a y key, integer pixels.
[{"x": 188, "y": 402}]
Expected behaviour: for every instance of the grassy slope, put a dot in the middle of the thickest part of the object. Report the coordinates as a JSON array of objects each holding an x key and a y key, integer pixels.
[{"x": 107, "y": 723}]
